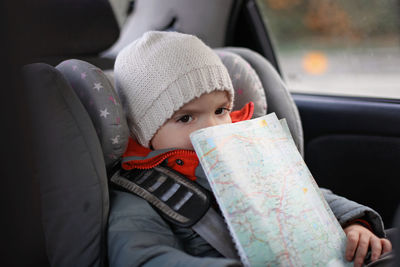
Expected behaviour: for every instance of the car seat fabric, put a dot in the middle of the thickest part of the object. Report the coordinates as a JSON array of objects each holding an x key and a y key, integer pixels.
[
  {"x": 69, "y": 167},
  {"x": 245, "y": 81},
  {"x": 278, "y": 97},
  {"x": 101, "y": 102}
]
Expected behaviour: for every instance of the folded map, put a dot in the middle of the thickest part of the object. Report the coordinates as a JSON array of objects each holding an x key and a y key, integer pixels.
[{"x": 274, "y": 210}]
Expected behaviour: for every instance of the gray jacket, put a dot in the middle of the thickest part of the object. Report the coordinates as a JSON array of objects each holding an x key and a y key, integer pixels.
[{"x": 139, "y": 236}]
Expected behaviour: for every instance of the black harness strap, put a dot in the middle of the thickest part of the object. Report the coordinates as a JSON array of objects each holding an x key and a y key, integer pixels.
[{"x": 180, "y": 201}]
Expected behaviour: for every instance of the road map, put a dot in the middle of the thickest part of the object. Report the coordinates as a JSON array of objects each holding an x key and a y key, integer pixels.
[{"x": 274, "y": 210}]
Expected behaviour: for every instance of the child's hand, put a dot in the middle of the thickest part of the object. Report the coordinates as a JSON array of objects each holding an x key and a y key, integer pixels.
[{"x": 359, "y": 239}]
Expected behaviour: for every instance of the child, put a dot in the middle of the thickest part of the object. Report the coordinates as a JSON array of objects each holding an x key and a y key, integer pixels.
[{"x": 170, "y": 85}]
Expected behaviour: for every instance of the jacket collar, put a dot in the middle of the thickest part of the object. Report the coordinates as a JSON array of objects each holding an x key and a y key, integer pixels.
[{"x": 180, "y": 160}]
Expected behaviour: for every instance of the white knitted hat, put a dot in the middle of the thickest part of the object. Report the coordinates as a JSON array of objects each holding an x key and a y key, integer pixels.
[{"x": 160, "y": 72}]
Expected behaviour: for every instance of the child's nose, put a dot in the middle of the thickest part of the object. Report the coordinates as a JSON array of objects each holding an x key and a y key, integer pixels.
[{"x": 211, "y": 122}]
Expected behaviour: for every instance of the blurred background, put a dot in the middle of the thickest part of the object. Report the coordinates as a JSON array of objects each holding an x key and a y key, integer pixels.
[{"x": 337, "y": 47}]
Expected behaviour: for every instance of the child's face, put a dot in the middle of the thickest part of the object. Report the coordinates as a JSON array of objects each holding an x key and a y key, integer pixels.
[{"x": 207, "y": 110}]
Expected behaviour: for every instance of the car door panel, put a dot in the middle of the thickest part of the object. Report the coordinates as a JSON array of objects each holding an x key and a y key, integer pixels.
[{"x": 352, "y": 146}]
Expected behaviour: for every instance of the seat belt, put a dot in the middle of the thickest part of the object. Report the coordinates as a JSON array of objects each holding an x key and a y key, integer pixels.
[{"x": 181, "y": 202}]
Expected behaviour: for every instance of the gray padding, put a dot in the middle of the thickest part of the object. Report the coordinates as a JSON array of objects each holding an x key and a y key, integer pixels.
[
  {"x": 278, "y": 97},
  {"x": 69, "y": 167},
  {"x": 396, "y": 236},
  {"x": 207, "y": 19},
  {"x": 103, "y": 105},
  {"x": 245, "y": 81}
]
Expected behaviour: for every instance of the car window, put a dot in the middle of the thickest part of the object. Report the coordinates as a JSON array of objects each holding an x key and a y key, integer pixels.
[{"x": 337, "y": 47}]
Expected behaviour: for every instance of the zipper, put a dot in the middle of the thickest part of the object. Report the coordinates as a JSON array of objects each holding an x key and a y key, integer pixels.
[{"x": 152, "y": 162}]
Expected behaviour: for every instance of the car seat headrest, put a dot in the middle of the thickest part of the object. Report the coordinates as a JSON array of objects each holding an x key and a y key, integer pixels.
[
  {"x": 102, "y": 103},
  {"x": 245, "y": 81},
  {"x": 277, "y": 94}
]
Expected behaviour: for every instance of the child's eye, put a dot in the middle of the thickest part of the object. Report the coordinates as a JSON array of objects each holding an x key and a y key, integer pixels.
[
  {"x": 185, "y": 118},
  {"x": 220, "y": 111}
]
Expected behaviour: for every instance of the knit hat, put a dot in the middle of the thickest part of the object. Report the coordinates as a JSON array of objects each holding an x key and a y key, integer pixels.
[{"x": 162, "y": 71}]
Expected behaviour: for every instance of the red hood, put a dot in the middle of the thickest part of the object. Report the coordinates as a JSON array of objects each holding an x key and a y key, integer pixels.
[{"x": 181, "y": 160}]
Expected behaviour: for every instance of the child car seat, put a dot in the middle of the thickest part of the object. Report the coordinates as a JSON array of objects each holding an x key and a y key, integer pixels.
[{"x": 79, "y": 134}]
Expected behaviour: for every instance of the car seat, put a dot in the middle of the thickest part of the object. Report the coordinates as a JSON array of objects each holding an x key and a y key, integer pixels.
[{"x": 80, "y": 132}]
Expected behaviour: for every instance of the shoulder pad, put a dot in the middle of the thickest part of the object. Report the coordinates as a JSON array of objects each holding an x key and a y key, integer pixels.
[{"x": 178, "y": 199}]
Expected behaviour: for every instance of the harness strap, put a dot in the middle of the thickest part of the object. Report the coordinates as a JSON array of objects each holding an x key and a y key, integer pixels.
[
  {"x": 213, "y": 229},
  {"x": 179, "y": 201}
]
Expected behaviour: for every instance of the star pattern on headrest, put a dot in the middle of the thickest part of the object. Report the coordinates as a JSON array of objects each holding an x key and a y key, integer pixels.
[
  {"x": 97, "y": 94},
  {"x": 115, "y": 140},
  {"x": 97, "y": 86},
  {"x": 104, "y": 113}
]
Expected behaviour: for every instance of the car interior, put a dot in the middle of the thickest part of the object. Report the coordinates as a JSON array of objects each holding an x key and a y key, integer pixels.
[{"x": 58, "y": 162}]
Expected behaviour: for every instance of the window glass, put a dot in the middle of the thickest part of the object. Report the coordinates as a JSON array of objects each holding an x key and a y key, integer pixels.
[{"x": 337, "y": 47}]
